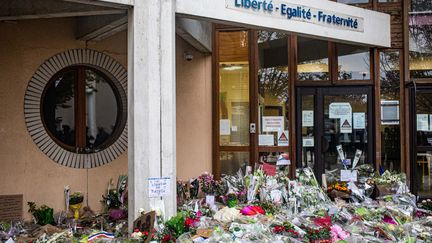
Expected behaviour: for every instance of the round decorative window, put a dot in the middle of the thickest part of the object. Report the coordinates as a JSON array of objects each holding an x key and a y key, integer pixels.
[{"x": 75, "y": 108}]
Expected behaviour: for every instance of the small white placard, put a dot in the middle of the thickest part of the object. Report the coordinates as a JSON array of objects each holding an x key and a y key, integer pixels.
[
  {"x": 422, "y": 122},
  {"x": 234, "y": 128},
  {"x": 307, "y": 118},
  {"x": 339, "y": 110},
  {"x": 210, "y": 200},
  {"x": 359, "y": 120},
  {"x": 273, "y": 123},
  {"x": 348, "y": 175},
  {"x": 308, "y": 141},
  {"x": 224, "y": 127},
  {"x": 266, "y": 140},
  {"x": 159, "y": 187},
  {"x": 283, "y": 138}
]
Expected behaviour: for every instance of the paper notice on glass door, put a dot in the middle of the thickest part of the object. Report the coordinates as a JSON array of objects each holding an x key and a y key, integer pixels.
[
  {"x": 359, "y": 120},
  {"x": 224, "y": 127},
  {"x": 422, "y": 122},
  {"x": 273, "y": 123},
  {"x": 346, "y": 124},
  {"x": 339, "y": 110},
  {"x": 307, "y": 118}
]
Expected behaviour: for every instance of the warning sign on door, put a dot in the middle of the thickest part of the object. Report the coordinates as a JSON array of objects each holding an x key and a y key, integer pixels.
[
  {"x": 346, "y": 124},
  {"x": 283, "y": 138}
]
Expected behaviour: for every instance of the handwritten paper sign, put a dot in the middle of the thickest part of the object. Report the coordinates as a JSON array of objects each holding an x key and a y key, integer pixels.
[
  {"x": 11, "y": 207},
  {"x": 348, "y": 175},
  {"x": 159, "y": 187}
]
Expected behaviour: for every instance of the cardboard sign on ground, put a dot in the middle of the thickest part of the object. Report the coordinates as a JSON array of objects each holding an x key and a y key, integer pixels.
[
  {"x": 11, "y": 207},
  {"x": 145, "y": 223}
]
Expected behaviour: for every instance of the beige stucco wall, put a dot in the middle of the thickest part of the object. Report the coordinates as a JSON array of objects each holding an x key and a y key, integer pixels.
[
  {"x": 24, "y": 169},
  {"x": 194, "y": 112}
]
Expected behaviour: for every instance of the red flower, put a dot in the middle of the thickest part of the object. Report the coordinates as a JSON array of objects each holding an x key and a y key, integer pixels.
[
  {"x": 136, "y": 230},
  {"x": 324, "y": 221},
  {"x": 278, "y": 229},
  {"x": 166, "y": 238},
  {"x": 189, "y": 222}
]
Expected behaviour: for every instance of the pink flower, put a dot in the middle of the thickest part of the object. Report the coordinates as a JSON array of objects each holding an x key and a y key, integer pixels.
[
  {"x": 389, "y": 220},
  {"x": 338, "y": 233},
  {"x": 252, "y": 210}
]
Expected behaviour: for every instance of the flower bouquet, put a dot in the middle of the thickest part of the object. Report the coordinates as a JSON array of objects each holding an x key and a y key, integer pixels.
[
  {"x": 208, "y": 187},
  {"x": 339, "y": 190},
  {"x": 43, "y": 215},
  {"x": 389, "y": 182},
  {"x": 319, "y": 235},
  {"x": 75, "y": 203},
  {"x": 286, "y": 229}
]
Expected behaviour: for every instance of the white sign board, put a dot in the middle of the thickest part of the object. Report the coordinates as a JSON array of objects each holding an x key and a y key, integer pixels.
[
  {"x": 307, "y": 118},
  {"x": 348, "y": 175},
  {"x": 339, "y": 110},
  {"x": 159, "y": 187},
  {"x": 266, "y": 140},
  {"x": 359, "y": 120},
  {"x": 299, "y": 13},
  {"x": 315, "y": 18},
  {"x": 422, "y": 122},
  {"x": 283, "y": 138},
  {"x": 273, "y": 123}
]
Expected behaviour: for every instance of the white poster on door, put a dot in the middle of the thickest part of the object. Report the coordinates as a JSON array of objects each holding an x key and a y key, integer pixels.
[
  {"x": 359, "y": 120},
  {"x": 266, "y": 140},
  {"x": 224, "y": 127},
  {"x": 307, "y": 118},
  {"x": 273, "y": 123},
  {"x": 339, "y": 110},
  {"x": 346, "y": 124},
  {"x": 308, "y": 141},
  {"x": 422, "y": 122}
]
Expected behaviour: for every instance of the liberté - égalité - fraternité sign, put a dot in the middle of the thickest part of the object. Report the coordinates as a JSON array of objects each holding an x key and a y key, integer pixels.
[{"x": 298, "y": 12}]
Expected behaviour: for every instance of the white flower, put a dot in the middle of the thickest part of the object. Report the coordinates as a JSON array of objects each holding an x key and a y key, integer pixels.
[{"x": 141, "y": 210}]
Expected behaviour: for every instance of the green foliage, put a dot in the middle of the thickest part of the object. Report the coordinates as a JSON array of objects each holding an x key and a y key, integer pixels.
[
  {"x": 176, "y": 225},
  {"x": 111, "y": 200},
  {"x": 43, "y": 214}
]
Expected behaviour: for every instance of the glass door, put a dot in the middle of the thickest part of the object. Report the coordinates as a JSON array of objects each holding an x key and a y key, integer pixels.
[
  {"x": 233, "y": 107},
  {"x": 334, "y": 124},
  {"x": 421, "y": 120}
]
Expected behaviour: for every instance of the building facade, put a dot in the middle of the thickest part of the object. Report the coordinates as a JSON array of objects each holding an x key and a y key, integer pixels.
[{"x": 170, "y": 89}]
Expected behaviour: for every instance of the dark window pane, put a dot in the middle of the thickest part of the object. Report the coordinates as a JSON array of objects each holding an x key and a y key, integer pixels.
[
  {"x": 312, "y": 59},
  {"x": 58, "y": 108},
  {"x": 421, "y": 5},
  {"x": 354, "y": 62},
  {"x": 101, "y": 110},
  {"x": 389, "y": 75},
  {"x": 420, "y": 46},
  {"x": 423, "y": 118}
]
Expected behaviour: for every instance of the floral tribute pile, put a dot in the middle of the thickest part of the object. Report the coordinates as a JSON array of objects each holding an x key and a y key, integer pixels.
[
  {"x": 255, "y": 207},
  {"x": 250, "y": 207}
]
